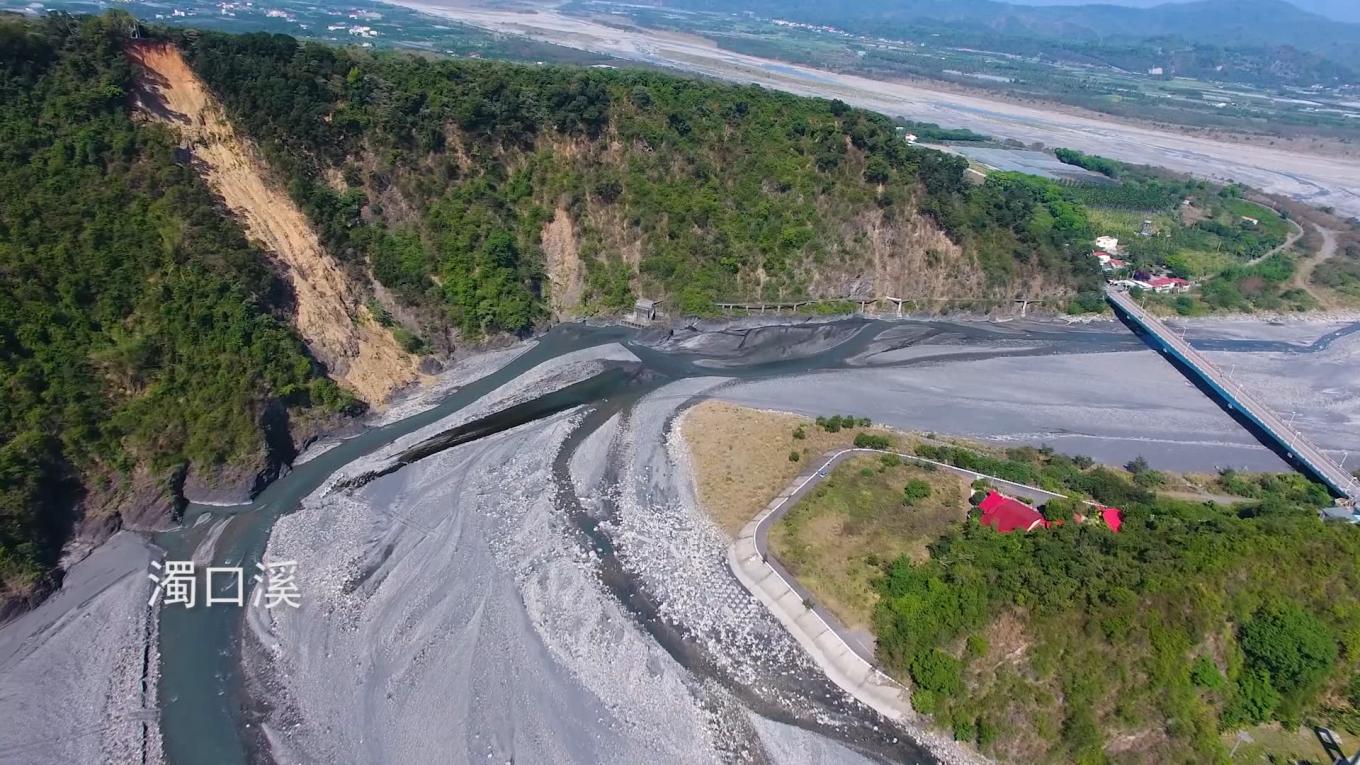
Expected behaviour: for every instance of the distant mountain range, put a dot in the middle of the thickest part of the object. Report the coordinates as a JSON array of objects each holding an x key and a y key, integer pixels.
[
  {"x": 1256, "y": 24},
  {"x": 1337, "y": 10}
]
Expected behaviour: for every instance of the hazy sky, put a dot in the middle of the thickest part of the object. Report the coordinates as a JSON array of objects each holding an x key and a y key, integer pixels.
[{"x": 1342, "y": 10}]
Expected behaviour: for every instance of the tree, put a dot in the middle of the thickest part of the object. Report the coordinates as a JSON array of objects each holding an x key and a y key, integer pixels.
[
  {"x": 1291, "y": 650},
  {"x": 871, "y": 441}
]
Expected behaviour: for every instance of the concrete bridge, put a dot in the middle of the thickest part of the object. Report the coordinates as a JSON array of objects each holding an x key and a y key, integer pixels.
[{"x": 1314, "y": 462}]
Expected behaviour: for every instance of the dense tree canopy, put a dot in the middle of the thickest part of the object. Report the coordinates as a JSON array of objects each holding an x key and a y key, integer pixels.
[
  {"x": 453, "y": 167},
  {"x": 1187, "y": 622},
  {"x": 135, "y": 324}
]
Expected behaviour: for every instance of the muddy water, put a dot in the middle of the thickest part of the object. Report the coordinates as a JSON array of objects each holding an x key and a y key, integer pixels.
[{"x": 201, "y": 681}]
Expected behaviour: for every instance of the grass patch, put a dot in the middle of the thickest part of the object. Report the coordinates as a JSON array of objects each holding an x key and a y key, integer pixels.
[
  {"x": 838, "y": 537},
  {"x": 742, "y": 458}
]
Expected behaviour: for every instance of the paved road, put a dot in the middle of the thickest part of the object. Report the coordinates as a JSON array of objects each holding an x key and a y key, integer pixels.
[
  {"x": 1322, "y": 464},
  {"x": 809, "y": 480}
]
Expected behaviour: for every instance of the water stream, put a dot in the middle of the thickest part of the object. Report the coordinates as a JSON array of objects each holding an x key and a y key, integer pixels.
[{"x": 201, "y": 688}]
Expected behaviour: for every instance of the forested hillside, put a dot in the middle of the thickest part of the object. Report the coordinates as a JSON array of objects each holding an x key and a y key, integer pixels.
[
  {"x": 146, "y": 342},
  {"x": 141, "y": 335},
  {"x": 1151, "y": 645},
  {"x": 487, "y": 196}
]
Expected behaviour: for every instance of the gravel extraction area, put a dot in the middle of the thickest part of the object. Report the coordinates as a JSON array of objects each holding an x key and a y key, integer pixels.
[{"x": 1112, "y": 407}]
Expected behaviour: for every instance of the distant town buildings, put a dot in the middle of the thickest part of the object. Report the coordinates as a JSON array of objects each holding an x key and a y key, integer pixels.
[{"x": 1109, "y": 244}]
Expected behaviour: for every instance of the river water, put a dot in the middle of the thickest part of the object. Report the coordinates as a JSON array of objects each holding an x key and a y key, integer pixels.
[{"x": 823, "y": 367}]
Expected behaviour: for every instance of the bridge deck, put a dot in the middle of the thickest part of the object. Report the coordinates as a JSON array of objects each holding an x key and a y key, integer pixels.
[{"x": 1317, "y": 461}]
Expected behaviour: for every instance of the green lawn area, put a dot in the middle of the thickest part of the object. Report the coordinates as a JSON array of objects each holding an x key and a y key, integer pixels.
[
  {"x": 1270, "y": 222},
  {"x": 837, "y": 537}
]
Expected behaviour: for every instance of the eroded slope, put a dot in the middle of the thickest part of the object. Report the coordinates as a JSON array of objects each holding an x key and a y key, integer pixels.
[{"x": 329, "y": 313}]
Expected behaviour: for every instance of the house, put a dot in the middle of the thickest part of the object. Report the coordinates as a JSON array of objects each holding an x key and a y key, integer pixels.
[
  {"x": 1250, "y": 221},
  {"x": 1109, "y": 262},
  {"x": 1112, "y": 517},
  {"x": 1168, "y": 284},
  {"x": 1006, "y": 514},
  {"x": 910, "y": 137},
  {"x": 1109, "y": 244}
]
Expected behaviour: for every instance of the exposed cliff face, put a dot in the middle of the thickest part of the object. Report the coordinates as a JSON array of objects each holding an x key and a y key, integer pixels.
[
  {"x": 329, "y": 310},
  {"x": 562, "y": 260}
]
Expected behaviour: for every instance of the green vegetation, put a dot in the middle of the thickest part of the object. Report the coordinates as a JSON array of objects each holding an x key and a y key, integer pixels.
[
  {"x": 1058, "y": 642},
  {"x": 1106, "y": 167},
  {"x": 452, "y": 168},
  {"x": 932, "y": 133},
  {"x": 871, "y": 441},
  {"x": 136, "y": 328},
  {"x": 835, "y": 422},
  {"x": 1341, "y": 273},
  {"x": 837, "y": 538}
]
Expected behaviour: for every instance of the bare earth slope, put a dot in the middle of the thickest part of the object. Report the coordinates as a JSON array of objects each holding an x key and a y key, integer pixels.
[{"x": 358, "y": 352}]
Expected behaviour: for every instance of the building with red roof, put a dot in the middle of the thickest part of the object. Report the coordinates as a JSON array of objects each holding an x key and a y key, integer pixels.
[
  {"x": 1112, "y": 517},
  {"x": 1006, "y": 514},
  {"x": 1168, "y": 284}
]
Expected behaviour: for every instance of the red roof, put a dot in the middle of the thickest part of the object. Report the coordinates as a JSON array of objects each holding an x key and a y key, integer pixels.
[
  {"x": 1006, "y": 515},
  {"x": 1113, "y": 518},
  {"x": 1167, "y": 281},
  {"x": 1117, "y": 263}
]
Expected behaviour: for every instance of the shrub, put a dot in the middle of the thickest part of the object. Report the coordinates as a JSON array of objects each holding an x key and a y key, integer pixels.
[
  {"x": 871, "y": 441},
  {"x": 938, "y": 672},
  {"x": 915, "y": 490},
  {"x": 793, "y": 456},
  {"x": 1291, "y": 650}
]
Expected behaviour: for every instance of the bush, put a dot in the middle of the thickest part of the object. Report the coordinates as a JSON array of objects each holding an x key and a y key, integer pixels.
[
  {"x": 871, "y": 441},
  {"x": 937, "y": 672},
  {"x": 794, "y": 456},
  {"x": 914, "y": 491},
  {"x": 1205, "y": 674}
]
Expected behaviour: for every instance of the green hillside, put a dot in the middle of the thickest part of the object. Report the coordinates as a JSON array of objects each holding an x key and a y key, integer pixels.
[
  {"x": 142, "y": 335},
  {"x": 441, "y": 175},
  {"x": 139, "y": 330}
]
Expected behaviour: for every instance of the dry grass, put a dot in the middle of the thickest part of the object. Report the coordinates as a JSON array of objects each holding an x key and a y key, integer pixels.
[
  {"x": 836, "y": 538},
  {"x": 741, "y": 456}
]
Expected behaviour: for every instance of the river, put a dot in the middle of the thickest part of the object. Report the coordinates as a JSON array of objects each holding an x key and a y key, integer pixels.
[{"x": 546, "y": 499}]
